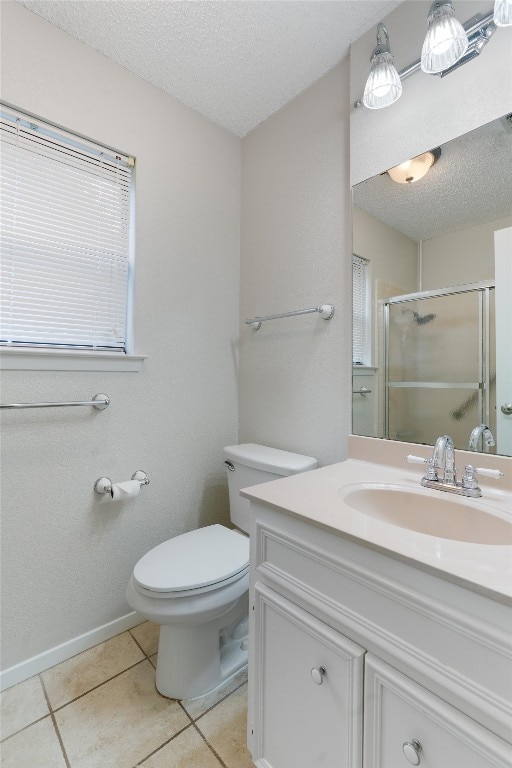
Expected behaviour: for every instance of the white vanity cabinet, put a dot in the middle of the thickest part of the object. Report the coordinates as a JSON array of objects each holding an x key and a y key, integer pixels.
[
  {"x": 406, "y": 725},
  {"x": 327, "y": 611},
  {"x": 309, "y": 682}
]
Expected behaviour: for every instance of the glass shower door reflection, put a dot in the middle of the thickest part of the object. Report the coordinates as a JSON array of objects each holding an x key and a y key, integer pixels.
[{"x": 437, "y": 365}]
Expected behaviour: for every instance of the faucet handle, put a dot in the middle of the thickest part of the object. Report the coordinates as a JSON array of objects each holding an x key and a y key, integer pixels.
[
  {"x": 488, "y": 472},
  {"x": 469, "y": 479},
  {"x": 469, "y": 483},
  {"x": 431, "y": 470},
  {"x": 415, "y": 459}
]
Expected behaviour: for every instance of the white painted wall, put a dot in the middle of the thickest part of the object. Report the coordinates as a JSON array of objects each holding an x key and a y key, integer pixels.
[
  {"x": 431, "y": 110},
  {"x": 295, "y": 373},
  {"x": 393, "y": 259},
  {"x": 393, "y": 255},
  {"x": 466, "y": 256},
  {"x": 67, "y": 557},
  {"x": 393, "y": 268}
]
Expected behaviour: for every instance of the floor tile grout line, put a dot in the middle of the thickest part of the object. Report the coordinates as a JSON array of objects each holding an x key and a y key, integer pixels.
[
  {"x": 6, "y": 738},
  {"x": 95, "y": 688},
  {"x": 147, "y": 655},
  {"x": 186, "y": 727},
  {"x": 180, "y": 702},
  {"x": 195, "y": 719},
  {"x": 56, "y": 727},
  {"x": 52, "y": 709},
  {"x": 221, "y": 761},
  {"x": 191, "y": 723}
]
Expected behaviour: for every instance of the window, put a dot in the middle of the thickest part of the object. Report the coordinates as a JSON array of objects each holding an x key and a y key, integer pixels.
[
  {"x": 359, "y": 310},
  {"x": 66, "y": 229}
]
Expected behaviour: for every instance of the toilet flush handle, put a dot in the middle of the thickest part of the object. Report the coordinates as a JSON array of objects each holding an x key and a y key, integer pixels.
[{"x": 229, "y": 465}]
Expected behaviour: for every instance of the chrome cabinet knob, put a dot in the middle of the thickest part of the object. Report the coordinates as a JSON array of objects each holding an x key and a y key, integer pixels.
[
  {"x": 411, "y": 750},
  {"x": 506, "y": 408},
  {"x": 318, "y": 674}
]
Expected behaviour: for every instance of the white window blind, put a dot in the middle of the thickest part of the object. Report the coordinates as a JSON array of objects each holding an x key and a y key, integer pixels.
[
  {"x": 359, "y": 309},
  {"x": 65, "y": 235}
]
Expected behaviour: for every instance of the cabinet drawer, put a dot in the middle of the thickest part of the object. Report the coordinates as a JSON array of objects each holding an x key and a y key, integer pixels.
[
  {"x": 399, "y": 712},
  {"x": 308, "y": 689}
]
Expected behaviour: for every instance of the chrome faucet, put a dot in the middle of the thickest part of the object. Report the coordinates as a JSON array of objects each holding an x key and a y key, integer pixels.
[
  {"x": 443, "y": 461},
  {"x": 443, "y": 458},
  {"x": 482, "y": 432}
]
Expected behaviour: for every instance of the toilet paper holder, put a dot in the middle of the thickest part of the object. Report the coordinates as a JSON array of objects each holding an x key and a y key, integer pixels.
[{"x": 104, "y": 484}]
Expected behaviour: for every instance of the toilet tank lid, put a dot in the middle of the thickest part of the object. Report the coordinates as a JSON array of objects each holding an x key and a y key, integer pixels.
[
  {"x": 269, "y": 459},
  {"x": 193, "y": 560}
]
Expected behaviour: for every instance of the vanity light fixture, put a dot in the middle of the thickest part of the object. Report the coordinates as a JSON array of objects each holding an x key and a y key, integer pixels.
[
  {"x": 415, "y": 169},
  {"x": 476, "y": 33},
  {"x": 446, "y": 40},
  {"x": 383, "y": 86},
  {"x": 503, "y": 13}
]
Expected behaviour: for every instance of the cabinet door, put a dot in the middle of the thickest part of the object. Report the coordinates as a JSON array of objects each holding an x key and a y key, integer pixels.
[
  {"x": 407, "y": 725},
  {"x": 308, "y": 689}
]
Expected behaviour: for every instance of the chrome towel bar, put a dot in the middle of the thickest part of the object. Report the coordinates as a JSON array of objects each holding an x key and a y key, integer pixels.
[
  {"x": 326, "y": 311},
  {"x": 99, "y": 401}
]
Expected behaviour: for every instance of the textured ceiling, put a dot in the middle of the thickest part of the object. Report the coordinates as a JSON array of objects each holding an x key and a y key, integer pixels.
[
  {"x": 235, "y": 62},
  {"x": 469, "y": 185}
]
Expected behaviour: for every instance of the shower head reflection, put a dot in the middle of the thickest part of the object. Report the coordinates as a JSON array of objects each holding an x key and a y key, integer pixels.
[{"x": 420, "y": 319}]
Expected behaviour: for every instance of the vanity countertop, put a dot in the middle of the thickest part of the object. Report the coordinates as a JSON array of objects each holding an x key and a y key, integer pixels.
[{"x": 316, "y": 496}]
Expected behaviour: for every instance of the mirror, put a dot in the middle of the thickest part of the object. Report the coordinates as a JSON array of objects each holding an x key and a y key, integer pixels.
[{"x": 432, "y": 296}]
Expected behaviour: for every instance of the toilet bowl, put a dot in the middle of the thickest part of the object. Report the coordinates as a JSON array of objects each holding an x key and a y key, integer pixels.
[{"x": 196, "y": 585}]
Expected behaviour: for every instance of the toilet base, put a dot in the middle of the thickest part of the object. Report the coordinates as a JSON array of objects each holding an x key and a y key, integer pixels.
[{"x": 193, "y": 660}]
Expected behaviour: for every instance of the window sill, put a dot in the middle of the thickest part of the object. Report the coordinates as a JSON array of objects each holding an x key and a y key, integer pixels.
[{"x": 66, "y": 360}]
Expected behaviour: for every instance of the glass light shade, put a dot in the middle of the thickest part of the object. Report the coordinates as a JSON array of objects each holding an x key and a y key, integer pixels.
[
  {"x": 446, "y": 40},
  {"x": 412, "y": 170},
  {"x": 383, "y": 86},
  {"x": 503, "y": 13}
]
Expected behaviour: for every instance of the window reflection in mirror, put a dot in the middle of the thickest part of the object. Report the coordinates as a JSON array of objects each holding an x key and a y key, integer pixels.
[{"x": 430, "y": 363}]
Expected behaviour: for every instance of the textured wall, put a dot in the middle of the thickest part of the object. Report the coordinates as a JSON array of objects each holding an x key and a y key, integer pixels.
[
  {"x": 461, "y": 257},
  {"x": 393, "y": 260},
  {"x": 295, "y": 373},
  {"x": 431, "y": 110},
  {"x": 67, "y": 556}
]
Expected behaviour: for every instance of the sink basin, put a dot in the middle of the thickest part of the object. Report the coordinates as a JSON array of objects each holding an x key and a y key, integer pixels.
[{"x": 443, "y": 515}]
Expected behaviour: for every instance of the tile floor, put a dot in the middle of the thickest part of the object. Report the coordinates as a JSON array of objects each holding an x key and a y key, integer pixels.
[{"x": 101, "y": 708}]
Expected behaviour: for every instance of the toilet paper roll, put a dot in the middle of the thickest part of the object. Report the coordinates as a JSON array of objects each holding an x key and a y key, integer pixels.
[{"x": 125, "y": 490}]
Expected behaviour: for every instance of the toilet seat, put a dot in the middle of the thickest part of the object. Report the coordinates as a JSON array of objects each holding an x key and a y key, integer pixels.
[{"x": 193, "y": 563}]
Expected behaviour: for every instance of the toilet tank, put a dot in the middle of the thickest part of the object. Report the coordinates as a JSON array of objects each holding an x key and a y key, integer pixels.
[{"x": 250, "y": 464}]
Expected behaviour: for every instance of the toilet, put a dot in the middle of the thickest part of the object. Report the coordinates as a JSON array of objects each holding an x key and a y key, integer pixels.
[{"x": 196, "y": 586}]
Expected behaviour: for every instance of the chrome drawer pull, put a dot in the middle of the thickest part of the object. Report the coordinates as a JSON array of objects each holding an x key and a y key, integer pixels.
[
  {"x": 411, "y": 750},
  {"x": 318, "y": 674}
]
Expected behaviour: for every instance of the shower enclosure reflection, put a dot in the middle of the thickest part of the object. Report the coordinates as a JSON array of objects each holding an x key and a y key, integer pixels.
[{"x": 439, "y": 360}]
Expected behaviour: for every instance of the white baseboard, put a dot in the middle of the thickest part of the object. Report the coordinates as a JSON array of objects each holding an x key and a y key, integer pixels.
[{"x": 42, "y": 661}]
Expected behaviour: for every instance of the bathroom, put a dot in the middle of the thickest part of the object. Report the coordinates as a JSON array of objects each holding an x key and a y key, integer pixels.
[{"x": 227, "y": 228}]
